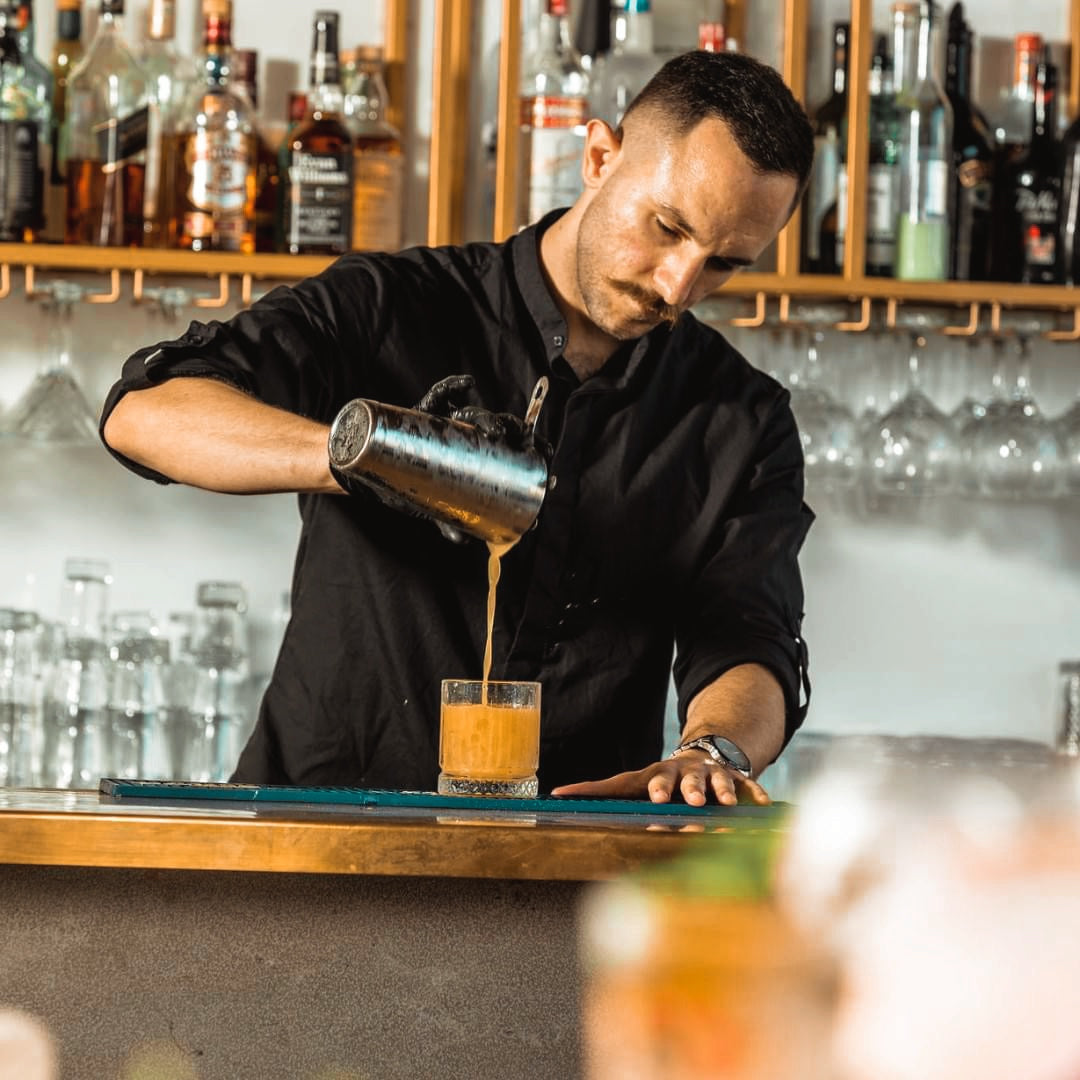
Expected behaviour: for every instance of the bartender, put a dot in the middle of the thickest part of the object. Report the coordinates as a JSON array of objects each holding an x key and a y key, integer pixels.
[{"x": 674, "y": 513}]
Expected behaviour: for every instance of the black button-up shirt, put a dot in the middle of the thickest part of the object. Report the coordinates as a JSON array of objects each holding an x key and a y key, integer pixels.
[{"x": 674, "y": 521}]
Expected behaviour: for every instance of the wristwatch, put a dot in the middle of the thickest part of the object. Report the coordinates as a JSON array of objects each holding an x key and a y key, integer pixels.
[{"x": 722, "y": 751}]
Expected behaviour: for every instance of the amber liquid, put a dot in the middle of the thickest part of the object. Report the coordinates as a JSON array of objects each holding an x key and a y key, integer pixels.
[
  {"x": 104, "y": 208},
  {"x": 326, "y": 135},
  {"x": 489, "y": 742},
  {"x": 228, "y": 228},
  {"x": 378, "y": 182}
]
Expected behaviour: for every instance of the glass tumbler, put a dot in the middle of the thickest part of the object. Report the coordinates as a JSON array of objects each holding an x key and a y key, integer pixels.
[{"x": 489, "y": 738}]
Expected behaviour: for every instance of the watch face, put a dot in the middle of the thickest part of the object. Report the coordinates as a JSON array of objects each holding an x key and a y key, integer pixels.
[{"x": 730, "y": 752}]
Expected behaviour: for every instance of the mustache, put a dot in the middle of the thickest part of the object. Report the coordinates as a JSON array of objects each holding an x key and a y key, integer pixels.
[{"x": 652, "y": 303}]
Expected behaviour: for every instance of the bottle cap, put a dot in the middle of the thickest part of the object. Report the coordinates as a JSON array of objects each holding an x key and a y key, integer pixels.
[
  {"x": 112, "y": 7},
  {"x": 68, "y": 5},
  {"x": 711, "y": 36},
  {"x": 324, "y": 49},
  {"x": 1029, "y": 42}
]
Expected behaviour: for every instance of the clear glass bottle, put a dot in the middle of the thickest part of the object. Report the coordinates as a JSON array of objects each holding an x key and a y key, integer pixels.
[
  {"x": 554, "y": 96},
  {"x": 220, "y": 709},
  {"x": 66, "y": 54},
  {"x": 246, "y": 80},
  {"x": 76, "y": 743},
  {"x": 378, "y": 154},
  {"x": 171, "y": 78},
  {"x": 21, "y": 716},
  {"x": 22, "y": 124},
  {"x": 925, "y": 125},
  {"x": 210, "y": 155},
  {"x": 39, "y": 78},
  {"x": 820, "y": 216},
  {"x": 137, "y": 743},
  {"x": 1012, "y": 128},
  {"x": 107, "y": 124},
  {"x": 317, "y": 185},
  {"x": 184, "y": 730},
  {"x": 630, "y": 64}
]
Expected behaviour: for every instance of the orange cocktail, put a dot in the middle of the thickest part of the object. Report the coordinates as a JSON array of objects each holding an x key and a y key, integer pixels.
[{"x": 489, "y": 741}]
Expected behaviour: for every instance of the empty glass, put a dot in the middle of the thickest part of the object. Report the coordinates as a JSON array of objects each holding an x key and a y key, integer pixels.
[
  {"x": 54, "y": 408},
  {"x": 137, "y": 744},
  {"x": 912, "y": 448},
  {"x": 1014, "y": 449}
]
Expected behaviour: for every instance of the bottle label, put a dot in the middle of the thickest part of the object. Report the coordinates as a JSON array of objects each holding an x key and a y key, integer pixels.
[
  {"x": 221, "y": 167},
  {"x": 555, "y": 130},
  {"x": 935, "y": 192},
  {"x": 821, "y": 193},
  {"x": 882, "y": 193},
  {"x": 552, "y": 112},
  {"x": 20, "y": 191},
  {"x": 377, "y": 207},
  {"x": 320, "y": 200},
  {"x": 1038, "y": 212},
  {"x": 123, "y": 139}
]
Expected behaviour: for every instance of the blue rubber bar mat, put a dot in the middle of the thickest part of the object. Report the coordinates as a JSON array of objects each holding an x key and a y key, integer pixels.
[{"x": 350, "y": 796}]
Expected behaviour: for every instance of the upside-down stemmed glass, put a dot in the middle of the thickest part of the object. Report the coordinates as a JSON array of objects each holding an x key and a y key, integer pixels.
[
  {"x": 1014, "y": 449},
  {"x": 54, "y": 408},
  {"x": 912, "y": 449}
]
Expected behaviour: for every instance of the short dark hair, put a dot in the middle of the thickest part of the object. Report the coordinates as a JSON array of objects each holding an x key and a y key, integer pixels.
[{"x": 769, "y": 126}]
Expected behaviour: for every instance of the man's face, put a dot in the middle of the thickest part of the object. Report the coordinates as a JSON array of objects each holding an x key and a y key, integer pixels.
[{"x": 668, "y": 220}]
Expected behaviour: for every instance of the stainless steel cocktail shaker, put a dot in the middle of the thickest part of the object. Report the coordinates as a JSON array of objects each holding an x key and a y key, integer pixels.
[{"x": 447, "y": 470}]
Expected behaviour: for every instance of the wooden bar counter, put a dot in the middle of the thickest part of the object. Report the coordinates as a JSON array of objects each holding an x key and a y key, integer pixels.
[{"x": 309, "y": 942}]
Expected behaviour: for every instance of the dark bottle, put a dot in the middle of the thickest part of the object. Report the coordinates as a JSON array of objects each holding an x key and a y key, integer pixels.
[
  {"x": 1069, "y": 211},
  {"x": 246, "y": 78},
  {"x": 973, "y": 160},
  {"x": 883, "y": 174},
  {"x": 1037, "y": 186},
  {"x": 22, "y": 120},
  {"x": 317, "y": 183},
  {"x": 822, "y": 194}
]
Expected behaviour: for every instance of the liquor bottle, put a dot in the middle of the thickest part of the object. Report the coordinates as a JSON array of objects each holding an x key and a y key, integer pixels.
[
  {"x": 1036, "y": 185},
  {"x": 66, "y": 54},
  {"x": 38, "y": 77},
  {"x": 317, "y": 181},
  {"x": 210, "y": 156},
  {"x": 295, "y": 112},
  {"x": 554, "y": 93},
  {"x": 107, "y": 124},
  {"x": 925, "y": 126},
  {"x": 1069, "y": 213},
  {"x": 630, "y": 64},
  {"x": 246, "y": 80},
  {"x": 972, "y": 161},
  {"x": 830, "y": 133},
  {"x": 883, "y": 173},
  {"x": 1012, "y": 129},
  {"x": 22, "y": 120},
  {"x": 170, "y": 78},
  {"x": 712, "y": 29},
  {"x": 378, "y": 155},
  {"x": 592, "y": 35}
]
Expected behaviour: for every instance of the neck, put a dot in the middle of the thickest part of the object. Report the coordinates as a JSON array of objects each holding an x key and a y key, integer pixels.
[{"x": 588, "y": 348}]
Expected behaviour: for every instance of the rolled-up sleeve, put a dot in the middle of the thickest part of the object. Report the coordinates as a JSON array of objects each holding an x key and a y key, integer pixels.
[
  {"x": 298, "y": 348},
  {"x": 746, "y": 603}
]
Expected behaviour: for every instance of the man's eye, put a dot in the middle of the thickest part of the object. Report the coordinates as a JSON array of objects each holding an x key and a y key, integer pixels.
[
  {"x": 720, "y": 266},
  {"x": 665, "y": 229}
]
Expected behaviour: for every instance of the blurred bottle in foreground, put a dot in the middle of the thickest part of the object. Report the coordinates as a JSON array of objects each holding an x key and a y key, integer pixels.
[{"x": 66, "y": 54}]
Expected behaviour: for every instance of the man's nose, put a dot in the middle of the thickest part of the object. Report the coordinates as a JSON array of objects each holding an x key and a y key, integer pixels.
[{"x": 675, "y": 279}]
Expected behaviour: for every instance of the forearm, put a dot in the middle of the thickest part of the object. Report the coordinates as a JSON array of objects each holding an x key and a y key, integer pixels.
[
  {"x": 208, "y": 434},
  {"x": 746, "y": 704}
]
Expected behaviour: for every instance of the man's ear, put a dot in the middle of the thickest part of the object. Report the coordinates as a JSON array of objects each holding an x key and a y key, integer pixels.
[{"x": 602, "y": 148}]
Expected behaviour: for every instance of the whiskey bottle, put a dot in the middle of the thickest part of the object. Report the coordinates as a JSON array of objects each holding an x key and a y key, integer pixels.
[
  {"x": 318, "y": 179},
  {"x": 37, "y": 78},
  {"x": 21, "y": 123},
  {"x": 66, "y": 54},
  {"x": 378, "y": 156},
  {"x": 554, "y": 93},
  {"x": 171, "y": 78},
  {"x": 972, "y": 160},
  {"x": 246, "y": 81},
  {"x": 107, "y": 123},
  {"x": 210, "y": 157},
  {"x": 823, "y": 192}
]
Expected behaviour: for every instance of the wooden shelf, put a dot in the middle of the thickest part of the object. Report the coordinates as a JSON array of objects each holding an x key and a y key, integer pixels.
[
  {"x": 156, "y": 261},
  {"x": 952, "y": 293}
]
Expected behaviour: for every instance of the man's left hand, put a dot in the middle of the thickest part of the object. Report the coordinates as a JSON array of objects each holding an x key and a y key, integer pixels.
[{"x": 693, "y": 775}]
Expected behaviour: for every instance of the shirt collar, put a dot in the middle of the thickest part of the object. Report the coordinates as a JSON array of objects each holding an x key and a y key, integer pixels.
[{"x": 525, "y": 252}]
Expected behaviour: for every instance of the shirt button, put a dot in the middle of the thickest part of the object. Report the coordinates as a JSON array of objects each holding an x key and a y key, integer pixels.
[
  {"x": 552, "y": 481},
  {"x": 558, "y": 341}
]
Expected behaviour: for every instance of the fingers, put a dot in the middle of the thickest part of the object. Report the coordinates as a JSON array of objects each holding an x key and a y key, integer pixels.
[{"x": 439, "y": 399}]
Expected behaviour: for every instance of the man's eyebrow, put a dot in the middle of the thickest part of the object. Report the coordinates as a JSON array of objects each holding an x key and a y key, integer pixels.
[{"x": 683, "y": 225}]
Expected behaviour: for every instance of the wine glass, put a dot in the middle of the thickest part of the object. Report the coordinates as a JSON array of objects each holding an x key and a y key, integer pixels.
[
  {"x": 54, "y": 408},
  {"x": 912, "y": 448},
  {"x": 827, "y": 427},
  {"x": 1068, "y": 431},
  {"x": 1014, "y": 449}
]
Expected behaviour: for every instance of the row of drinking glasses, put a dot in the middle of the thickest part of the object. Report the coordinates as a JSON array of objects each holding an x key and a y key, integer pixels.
[{"x": 999, "y": 444}]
